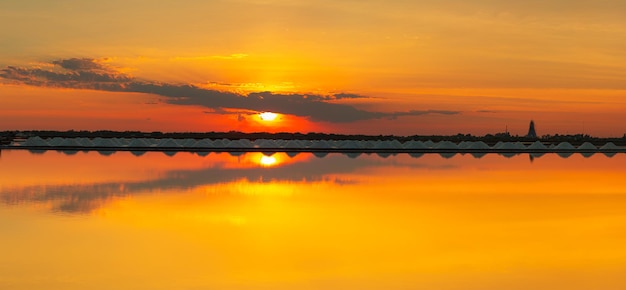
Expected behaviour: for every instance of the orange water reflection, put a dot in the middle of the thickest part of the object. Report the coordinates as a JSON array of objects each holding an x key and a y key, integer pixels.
[{"x": 315, "y": 223}]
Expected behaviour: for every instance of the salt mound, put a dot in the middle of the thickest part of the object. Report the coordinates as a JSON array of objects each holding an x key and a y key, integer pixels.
[
  {"x": 219, "y": 143},
  {"x": 537, "y": 145},
  {"x": 587, "y": 146},
  {"x": 368, "y": 144},
  {"x": 169, "y": 142},
  {"x": 245, "y": 143},
  {"x": 479, "y": 145},
  {"x": 69, "y": 142},
  {"x": 609, "y": 146},
  {"x": 138, "y": 142},
  {"x": 419, "y": 145},
  {"x": 35, "y": 141},
  {"x": 395, "y": 144},
  {"x": 306, "y": 143},
  {"x": 105, "y": 142},
  {"x": 565, "y": 146},
  {"x": 85, "y": 142},
  {"x": 280, "y": 143},
  {"x": 122, "y": 141},
  {"x": 384, "y": 145},
  {"x": 294, "y": 144},
  {"x": 56, "y": 141},
  {"x": 321, "y": 144},
  {"x": 465, "y": 145},
  {"x": 263, "y": 143},
  {"x": 204, "y": 143},
  {"x": 349, "y": 144},
  {"x": 236, "y": 144},
  {"x": 152, "y": 141},
  {"x": 188, "y": 142},
  {"x": 225, "y": 141},
  {"x": 498, "y": 145},
  {"x": 414, "y": 145},
  {"x": 446, "y": 145}
]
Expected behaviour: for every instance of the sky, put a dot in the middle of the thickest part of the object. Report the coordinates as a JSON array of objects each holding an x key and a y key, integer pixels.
[{"x": 368, "y": 67}]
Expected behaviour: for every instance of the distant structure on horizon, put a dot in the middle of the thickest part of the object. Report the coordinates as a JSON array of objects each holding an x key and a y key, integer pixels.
[{"x": 531, "y": 130}]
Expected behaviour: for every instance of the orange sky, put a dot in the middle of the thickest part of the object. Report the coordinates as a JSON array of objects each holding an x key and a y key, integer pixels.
[{"x": 410, "y": 67}]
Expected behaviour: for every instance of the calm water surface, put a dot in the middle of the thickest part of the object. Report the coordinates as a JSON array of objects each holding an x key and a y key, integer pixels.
[{"x": 106, "y": 220}]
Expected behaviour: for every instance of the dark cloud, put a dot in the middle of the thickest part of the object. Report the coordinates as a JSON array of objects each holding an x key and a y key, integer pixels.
[
  {"x": 85, "y": 73},
  {"x": 79, "y": 64}
]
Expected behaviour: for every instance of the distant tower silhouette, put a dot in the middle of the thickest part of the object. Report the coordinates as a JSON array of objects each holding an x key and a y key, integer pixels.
[{"x": 531, "y": 130}]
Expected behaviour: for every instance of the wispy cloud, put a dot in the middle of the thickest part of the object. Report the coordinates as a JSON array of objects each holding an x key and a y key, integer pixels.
[
  {"x": 86, "y": 73},
  {"x": 210, "y": 57}
]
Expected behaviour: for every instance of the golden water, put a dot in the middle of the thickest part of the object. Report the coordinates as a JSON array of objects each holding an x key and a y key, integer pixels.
[{"x": 120, "y": 221}]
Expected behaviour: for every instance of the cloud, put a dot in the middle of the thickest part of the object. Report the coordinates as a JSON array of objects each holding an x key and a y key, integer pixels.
[
  {"x": 85, "y": 73},
  {"x": 79, "y": 64}
]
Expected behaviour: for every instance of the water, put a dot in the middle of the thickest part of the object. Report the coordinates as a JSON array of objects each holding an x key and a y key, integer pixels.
[{"x": 114, "y": 220}]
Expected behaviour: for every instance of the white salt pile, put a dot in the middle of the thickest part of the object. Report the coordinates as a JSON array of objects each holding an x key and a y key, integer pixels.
[
  {"x": 564, "y": 146},
  {"x": 321, "y": 144},
  {"x": 105, "y": 142},
  {"x": 168, "y": 143},
  {"x": 349, "y": 144},
  {"x": 188, "y": 142},
  {"x": 609, "y": 146},
  {"x": 219, "y": 143},
  {"x": 138, "y": 142},
  {"x": 69, "y": 142},
  {"x": 35, "y": 141},
  {"x": 587, "y": 146},
  {"x": 537, "y": 145},
  {"x": 85, "y": 142},
  {"x": 56, "y": 141},
  {"x": 479, "y": 145},
  {"x": 204, "y": 143},
  {"x": 445, "y": 145},
  {"x": 413, "y": 145}
]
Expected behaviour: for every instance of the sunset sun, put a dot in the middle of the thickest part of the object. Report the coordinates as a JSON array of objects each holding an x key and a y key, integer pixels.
[{"x": 268, "y": 116}]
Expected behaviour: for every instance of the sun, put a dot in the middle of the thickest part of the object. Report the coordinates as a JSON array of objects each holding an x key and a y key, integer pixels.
[{"x": 268, "y": 116}]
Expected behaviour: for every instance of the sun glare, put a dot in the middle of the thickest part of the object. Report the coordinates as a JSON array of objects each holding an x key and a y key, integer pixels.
[
  {"x": 268, "y": 116},
  {"x": 267, "y": 160}
]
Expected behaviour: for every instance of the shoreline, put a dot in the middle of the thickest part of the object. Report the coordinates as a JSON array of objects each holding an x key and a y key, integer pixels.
[{"x": 311, "y": 150}]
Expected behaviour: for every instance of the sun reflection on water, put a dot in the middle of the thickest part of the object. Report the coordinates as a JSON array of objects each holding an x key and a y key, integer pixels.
[{"x": 268, "y": 161}]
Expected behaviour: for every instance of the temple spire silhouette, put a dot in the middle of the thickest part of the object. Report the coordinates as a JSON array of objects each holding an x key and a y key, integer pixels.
[{"x": 531, "y": 130}]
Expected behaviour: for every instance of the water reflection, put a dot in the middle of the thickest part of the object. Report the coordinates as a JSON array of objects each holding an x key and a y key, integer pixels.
[{"x": 344, "y": 221}]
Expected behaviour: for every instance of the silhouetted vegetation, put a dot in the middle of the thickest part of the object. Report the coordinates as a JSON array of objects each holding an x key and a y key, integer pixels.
[{"x": 577, "y": 139}]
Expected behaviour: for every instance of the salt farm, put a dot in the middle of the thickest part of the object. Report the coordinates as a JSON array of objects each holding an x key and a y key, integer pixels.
[{"x": 279, "y": 145}]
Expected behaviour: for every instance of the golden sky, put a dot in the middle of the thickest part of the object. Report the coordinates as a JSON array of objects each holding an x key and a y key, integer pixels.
[{"x": 376, "y": 67}]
